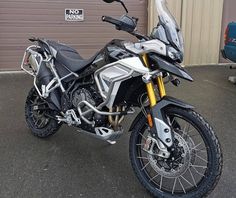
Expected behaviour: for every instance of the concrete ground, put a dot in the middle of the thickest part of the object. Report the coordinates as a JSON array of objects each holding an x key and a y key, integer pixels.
[{"x": 70, "y": 164}]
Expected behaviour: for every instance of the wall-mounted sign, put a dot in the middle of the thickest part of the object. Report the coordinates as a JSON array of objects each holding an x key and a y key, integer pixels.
[{"x": 74, "y": 14}]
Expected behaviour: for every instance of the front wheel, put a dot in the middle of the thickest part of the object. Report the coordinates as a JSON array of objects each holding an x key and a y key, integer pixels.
[{"x": 195, "y": 163}]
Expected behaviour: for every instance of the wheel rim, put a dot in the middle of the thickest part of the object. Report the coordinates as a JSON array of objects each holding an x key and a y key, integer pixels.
[
  {"x": 185, "y": 172},
  {"x": 38, "y": 111}
]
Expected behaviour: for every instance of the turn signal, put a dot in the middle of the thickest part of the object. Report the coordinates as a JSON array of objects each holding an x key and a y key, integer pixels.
[{"x": 149, "y": 118}]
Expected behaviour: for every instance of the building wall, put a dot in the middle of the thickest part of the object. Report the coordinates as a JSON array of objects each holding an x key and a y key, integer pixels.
[
  {"x": 229, "y": 15},
  {"x": 21, "y": 19},
  {"x": 200, "y": 21}
]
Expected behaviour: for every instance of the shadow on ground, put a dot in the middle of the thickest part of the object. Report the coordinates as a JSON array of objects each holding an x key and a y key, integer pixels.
[{"x": 74, "y": 165}]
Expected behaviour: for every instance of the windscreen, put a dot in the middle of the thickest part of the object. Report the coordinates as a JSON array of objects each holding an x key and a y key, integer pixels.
[{"x": 168, "y": 21}]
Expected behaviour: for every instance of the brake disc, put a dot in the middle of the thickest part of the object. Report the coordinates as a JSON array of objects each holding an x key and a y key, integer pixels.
[{"x": 179, "y": 166}]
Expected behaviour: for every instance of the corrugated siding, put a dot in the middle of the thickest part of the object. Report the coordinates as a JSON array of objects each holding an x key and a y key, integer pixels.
[
  {"x": 21, "y": 19},
  {"x": 201, "y": 24},
  {"x": 200, "y": 21}
]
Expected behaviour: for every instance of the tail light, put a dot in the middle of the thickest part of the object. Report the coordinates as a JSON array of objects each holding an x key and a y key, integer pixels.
[{"x": 226, "y": 36}]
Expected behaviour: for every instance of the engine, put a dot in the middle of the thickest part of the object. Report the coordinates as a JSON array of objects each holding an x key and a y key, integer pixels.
[
  {"x": 81, "y": 95},
  {"x": 92, "y": 97}
]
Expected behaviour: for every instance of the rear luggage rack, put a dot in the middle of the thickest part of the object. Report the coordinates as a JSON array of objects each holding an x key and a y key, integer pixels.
[{"x": 32, "y": 60}]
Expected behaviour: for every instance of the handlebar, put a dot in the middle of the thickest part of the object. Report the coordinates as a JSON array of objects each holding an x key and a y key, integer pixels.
[{"x": 120, "y": 25}]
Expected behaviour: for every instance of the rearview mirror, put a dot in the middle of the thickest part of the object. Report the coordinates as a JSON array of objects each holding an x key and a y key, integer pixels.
[
  {"x": 109, "y": 1},
  {"x": 120, "y": 1}
]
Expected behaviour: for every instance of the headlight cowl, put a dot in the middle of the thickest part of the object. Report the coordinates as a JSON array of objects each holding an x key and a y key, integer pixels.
[{"x": 175, "y": 55}]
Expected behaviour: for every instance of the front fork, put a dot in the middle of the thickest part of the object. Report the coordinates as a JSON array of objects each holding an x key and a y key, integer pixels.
[
  {"x": 150, "y": 87},
  {"x": 159, "y": 129}
]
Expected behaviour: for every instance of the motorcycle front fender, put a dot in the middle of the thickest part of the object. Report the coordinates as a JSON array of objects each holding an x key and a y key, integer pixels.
[
  {"x": 160, "y": 128},
  {"x": 168, "y": 101}
]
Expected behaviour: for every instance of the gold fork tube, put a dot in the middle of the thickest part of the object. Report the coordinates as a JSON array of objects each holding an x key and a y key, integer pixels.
[
  {"x": 161, "y": 86},
  {"x": 150, "y": 88},
  {"x": 145, "y": 60},
  {"x": 151, "y": 94}
]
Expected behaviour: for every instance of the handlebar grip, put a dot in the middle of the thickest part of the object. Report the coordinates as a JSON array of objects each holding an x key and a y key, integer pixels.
[
  {"x": 112, "y": 21},
  {"x": 105, "y": 18}
]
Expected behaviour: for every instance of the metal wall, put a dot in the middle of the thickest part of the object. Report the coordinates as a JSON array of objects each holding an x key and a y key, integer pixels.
[
  {"x": 200, "y": 21},
  {"x": 229, "y": 15},
  {"x": 21, "y": 19}
]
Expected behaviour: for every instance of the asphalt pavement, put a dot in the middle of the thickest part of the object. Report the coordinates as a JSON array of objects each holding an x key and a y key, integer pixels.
[{"x": 70, "y": 164}]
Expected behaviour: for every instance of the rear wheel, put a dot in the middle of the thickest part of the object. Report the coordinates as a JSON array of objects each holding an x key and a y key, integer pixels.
[
  {"x": 39, "y": 116},
  {"x": 194, "y": 166}
]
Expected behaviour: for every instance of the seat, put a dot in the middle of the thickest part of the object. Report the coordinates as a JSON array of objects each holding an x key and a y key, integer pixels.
[{"x": 69, "y": 57}]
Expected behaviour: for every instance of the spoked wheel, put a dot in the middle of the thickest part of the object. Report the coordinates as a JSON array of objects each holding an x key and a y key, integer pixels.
[
  {"x": 39, "y": 116},
  {"x": 195, "y": 163}
]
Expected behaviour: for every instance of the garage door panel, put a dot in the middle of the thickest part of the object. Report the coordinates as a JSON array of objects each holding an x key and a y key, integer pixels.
[
  {"x": 51, "y": 9},
  {"x": 54, "y": 35},
  {"x": 55, "y": 19},
  {"x": 95, "y": 41},
  {"x": 21, "y": 19}
]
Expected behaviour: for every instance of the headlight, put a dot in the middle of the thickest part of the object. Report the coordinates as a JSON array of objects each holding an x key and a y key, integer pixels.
[{"x": 174, "y": 54}]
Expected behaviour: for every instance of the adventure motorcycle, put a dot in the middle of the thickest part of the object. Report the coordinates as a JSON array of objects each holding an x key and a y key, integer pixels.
[{"x": 173, "y": 150}]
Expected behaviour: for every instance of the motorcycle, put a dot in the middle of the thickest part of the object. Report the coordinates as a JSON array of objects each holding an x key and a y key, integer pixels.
[{"x": 173, "y": 151}]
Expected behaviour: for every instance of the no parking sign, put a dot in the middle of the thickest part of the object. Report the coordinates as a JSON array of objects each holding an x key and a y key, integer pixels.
[{"x": 74, "y": 14}]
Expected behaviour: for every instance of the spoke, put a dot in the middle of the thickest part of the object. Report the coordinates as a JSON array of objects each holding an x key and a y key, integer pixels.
[
  {"x": 178, "y": 158},
  {"x": 200, "y": 150},
  {"x": 186, "y": 180},
  {"x": 161, "y": 182},
  {"x": 198, "y": 166},
  {"x": 154, "y": 177},
  {"x": 173, "y": 189},
  {"x": 201, "y": 158},
  {"x": 197, "y": 170},
  {"x": 173, "y": 121},
  {"x": 194, "y": 181},
  {"x": 37, "y": 120},
  {"x": 143, "y": 136},
  {"x": 142, "y": 158},
  {"x": 140, "y": 144},
  {"x": 181, "y": 185},
  {"x": 41, "y": 123},
  {"x": 185, "y": 132},
  {"x": 188, "y": 131},
  {"x": 194, "y": 135},
  {"x": 197, "y": 145},
  {"x": 145, "y": 166}
]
